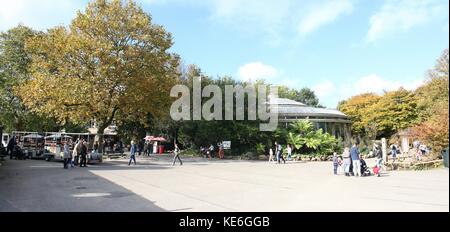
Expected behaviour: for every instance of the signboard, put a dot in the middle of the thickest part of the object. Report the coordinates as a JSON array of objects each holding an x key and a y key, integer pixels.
[{"x": 226, "y": 145}]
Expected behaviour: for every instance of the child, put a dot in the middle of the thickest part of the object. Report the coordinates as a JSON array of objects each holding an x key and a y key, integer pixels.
[
  {"x": 271, "y": 159},
  {"x": 418, "y": 155},
  {"x": 341, "y": 165},
  {"x": 335, "y": 163}
]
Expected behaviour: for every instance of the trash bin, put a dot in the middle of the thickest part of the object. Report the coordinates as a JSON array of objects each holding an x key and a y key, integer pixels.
[
  {"x": 445, "y": 157},
  {"x": 161, "y": 149}
]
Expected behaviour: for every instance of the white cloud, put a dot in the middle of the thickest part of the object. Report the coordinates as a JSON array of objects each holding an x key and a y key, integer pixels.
[
  {"x": 375, "y": 84},
  {"x": 323, "y": 14},
  {"x": 324, "y": 89},
  {"x": 256, "y": 71},
  {"x": 274, "y": 20},
  {"x": 330, "y": 94},
  {"x": 402, "y": 15},
  {"x": 40, "y": 14},
  {"x": 271, "y": 18}
]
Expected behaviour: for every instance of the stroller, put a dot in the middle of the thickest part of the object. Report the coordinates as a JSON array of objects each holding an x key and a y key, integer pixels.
[
  {"x": 18, "y": 153},
  {"x": 364, "y": 169}
]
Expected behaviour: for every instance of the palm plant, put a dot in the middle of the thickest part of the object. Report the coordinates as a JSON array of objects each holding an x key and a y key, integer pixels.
[{"x": 295, "y": 140}]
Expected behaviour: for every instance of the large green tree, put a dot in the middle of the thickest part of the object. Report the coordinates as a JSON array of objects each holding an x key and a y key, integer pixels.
[
  {"x": 15, "y": 65},
  {"x": 111, "y": 64},
  {"x": 304, "y": 95}
]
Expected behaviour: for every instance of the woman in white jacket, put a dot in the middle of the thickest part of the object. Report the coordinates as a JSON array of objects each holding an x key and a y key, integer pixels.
[
  {"x": 66, "y": 152},
  {"x": 75, "y": 152},
  {"x": 347, "y": 161}
]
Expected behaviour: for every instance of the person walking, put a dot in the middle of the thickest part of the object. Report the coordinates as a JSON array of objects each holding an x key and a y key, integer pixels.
[
  {"x": 271, "y": 157},
  {"x": 289, "y": 152},
  {"x": 146, "y": 149},
  {"x": 83, "y": 154},
  {"x": 66, "y": 155},
  {"x": 354, "y": 155},
  {"x": 10, "y": 147},
  {"x": 279, "y": 152},
  {"x": 176, "y": 152},
  {"x": 132, "y": 153},
  {"x": 394, "y": 151},
  {"x": 347, "y": 161}
]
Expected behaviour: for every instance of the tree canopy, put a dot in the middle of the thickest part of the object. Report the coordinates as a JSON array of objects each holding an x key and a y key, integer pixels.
[
  {"x": 433, "y": 103},
  {"x": 111, "y": 63},
  {"x": 425, "y": 110},
  {"x": 15, "y": 66},
  {"x": 358, "y": 109},
  {"x": 304, "y": 95}
]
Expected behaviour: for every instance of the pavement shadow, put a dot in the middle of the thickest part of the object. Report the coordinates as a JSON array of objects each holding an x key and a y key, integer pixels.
[{"x": 54, "y": 189}]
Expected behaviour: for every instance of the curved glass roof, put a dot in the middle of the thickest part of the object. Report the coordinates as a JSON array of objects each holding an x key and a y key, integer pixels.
[{"x": 293, "y": 108}]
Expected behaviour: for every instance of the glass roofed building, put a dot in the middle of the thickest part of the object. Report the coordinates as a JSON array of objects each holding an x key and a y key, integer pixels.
[{"x": 329, "y": 120}]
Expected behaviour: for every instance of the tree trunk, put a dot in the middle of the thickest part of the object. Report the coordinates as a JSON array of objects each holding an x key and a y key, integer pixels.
[
  {"x": 18, "y": 124},
  {"x": 101, "y": 129},
  {"x": 99, "y": 138}
]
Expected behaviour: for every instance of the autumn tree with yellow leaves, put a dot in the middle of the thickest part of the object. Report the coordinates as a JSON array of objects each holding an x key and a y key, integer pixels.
[
  {"x": 358, "y": 108},
  {"x": 425, "y": 110},
  {"x": 110, "y": 64},
  {"x": 434, "y": 107}
]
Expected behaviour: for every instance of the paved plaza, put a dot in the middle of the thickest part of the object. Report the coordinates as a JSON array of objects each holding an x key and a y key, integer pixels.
[{"x": 202, "y": 185}]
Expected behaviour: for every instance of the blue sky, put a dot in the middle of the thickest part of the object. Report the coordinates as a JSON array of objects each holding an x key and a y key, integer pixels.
[{"x": 339, "y": 48}]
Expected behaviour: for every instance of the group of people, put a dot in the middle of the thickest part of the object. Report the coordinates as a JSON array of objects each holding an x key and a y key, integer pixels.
[
  {"x": 109, "y": 146},
  {"x": 209, "y": 152},
  {"x": 145, "y": 147},
  {"x": 134, "y": 149},
  {"x": 78, "y": 156},
  {"x": 419, "y": 150},
  {"x": 353, "y": 164},
  {"x": 278, "y": 151}
]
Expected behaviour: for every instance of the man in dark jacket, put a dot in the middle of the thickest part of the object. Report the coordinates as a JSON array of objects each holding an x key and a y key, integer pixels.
[
  {"x": 355, "y": 156},
  {"x": 83, "y": 154},
  {"x": 10, "y": 147},
  {"x": 279, "y": 152},
  {"x": 132, "y": 153}
]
